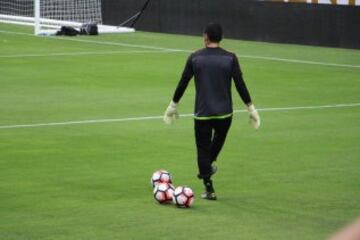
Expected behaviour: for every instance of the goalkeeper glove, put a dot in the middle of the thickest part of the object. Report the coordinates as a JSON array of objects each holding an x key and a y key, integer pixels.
[
  {"x": 171, "y": 113},
  {"x": 254, "y": 116}
]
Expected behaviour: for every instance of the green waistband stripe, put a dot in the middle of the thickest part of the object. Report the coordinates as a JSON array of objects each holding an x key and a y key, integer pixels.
[{"x": 213, "y": 117}]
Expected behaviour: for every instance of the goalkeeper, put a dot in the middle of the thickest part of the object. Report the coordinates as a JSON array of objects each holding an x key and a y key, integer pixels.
[{"x": 213, "y": 68}]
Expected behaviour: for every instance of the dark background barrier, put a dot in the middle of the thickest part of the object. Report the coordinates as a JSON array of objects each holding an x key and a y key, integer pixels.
[{"x": 325, "y": 25}]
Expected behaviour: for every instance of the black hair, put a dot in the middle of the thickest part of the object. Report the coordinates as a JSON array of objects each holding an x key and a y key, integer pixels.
[{"x": 214, "y": 32}]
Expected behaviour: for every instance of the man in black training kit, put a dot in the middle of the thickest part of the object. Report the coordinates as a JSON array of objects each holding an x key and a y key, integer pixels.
[{"x": 213, "y": 68}]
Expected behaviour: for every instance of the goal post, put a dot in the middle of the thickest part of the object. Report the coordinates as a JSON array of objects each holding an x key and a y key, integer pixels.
[
  {"x": 47, "y": 16},
  {"x": 37, "y": 16}
]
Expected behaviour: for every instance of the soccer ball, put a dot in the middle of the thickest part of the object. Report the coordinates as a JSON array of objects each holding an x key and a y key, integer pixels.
[
  {"x": 163, "y": 192},
  {"x": 183, "y": 196},
  {"x": 160, "y": 176}
]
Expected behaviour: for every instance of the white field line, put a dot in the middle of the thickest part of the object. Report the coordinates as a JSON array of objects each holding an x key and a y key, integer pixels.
[
  {"x": 300, "y": 61},
  {"x": 121, "y": 44},
  {"x": 75, "y": 39},
  {"x": 81, "y": 53},
  {"x": 348, "y": 105},
  {"x": 288, "y": 60}
]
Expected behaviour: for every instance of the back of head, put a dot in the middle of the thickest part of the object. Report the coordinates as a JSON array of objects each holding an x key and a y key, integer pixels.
[{"x": 214, "y": 32}]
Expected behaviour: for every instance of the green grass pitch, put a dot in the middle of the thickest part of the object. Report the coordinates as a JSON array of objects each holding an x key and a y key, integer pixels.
[{"x": 296, "y": 178}]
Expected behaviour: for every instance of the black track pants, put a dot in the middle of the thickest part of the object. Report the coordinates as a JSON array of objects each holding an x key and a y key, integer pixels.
[{"x": 210, "y": 137}]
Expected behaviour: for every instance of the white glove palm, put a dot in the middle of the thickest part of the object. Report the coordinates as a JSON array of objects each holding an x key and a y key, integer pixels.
[
  {"x": 254, "y": 116},
  {"x": 171, "y": 113}
]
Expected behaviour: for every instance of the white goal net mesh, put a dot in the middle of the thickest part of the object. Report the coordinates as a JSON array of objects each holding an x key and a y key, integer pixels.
[
  {"x": 17, "y": 7},
  {"x": 54, "y": 13},
  {"x": 83, "y": 11},
  {"x": 72, "y": 10}
]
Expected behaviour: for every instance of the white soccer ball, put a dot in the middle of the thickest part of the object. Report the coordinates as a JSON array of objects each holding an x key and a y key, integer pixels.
[
  {"x": 183, "y": 196},
  {"x": 163, "y": 192},
  {"x": 160, "y": 176}
]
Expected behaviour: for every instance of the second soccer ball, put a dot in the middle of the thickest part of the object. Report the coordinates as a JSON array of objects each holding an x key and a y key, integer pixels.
[
  {"x": 183, "y": 196},
  {"x": 163, "y": 192}
]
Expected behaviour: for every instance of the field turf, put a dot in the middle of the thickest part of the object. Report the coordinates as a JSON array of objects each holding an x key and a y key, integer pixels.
[{"x": 296, "y": 178}]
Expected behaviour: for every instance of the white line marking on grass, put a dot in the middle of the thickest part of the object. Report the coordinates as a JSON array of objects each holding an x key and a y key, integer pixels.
[
  {"x": 288, "y": 60},
  {"x": 17, "y": 33},
  {"x": 160, "y": 117},
  {"x": 300, "y": 61},
  {"x": 81, "y": 53},
  {"x": 75, "y": 39},
  {"x": 345, "y": 105},
  {"x": 121, "y": 44}
]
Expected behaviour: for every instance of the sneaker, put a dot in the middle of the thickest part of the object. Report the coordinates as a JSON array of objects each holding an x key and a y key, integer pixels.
[{"x": 208, "y": 196}]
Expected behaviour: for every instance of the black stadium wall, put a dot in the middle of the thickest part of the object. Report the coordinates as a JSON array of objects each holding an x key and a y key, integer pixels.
[{"x": 311, "y": 24}]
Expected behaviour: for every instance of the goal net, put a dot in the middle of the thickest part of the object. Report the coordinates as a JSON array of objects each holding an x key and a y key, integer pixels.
[{"x": 47, "y": 16}]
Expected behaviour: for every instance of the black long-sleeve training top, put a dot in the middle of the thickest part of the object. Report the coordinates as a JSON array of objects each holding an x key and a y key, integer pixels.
[{"x": 213, "y": 69}]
